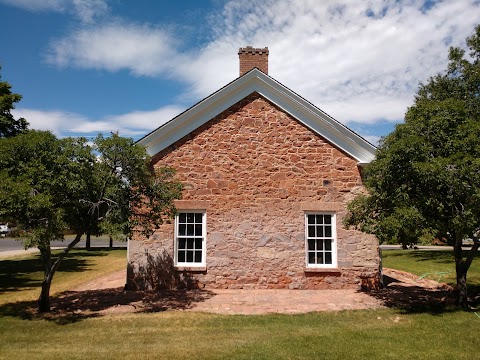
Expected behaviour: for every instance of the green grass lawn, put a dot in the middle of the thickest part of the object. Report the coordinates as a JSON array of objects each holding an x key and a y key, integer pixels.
[
  {"x": 380, "y": 334},
  {"x": 374, "y": 334}
]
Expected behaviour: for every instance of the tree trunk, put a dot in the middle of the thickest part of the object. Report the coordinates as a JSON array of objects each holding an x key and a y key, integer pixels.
[
  {"x": 461, "y": 268},
  {"x": 49, "y": 271},
  {"x": 111, "y": 242},
  {"x": 87, "y": 242},
  {"x": 462, "y": 285},
  {"x": 44, "y": 299}
]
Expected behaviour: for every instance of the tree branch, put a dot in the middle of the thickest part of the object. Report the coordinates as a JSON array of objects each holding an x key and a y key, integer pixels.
[{"x": 65, "y": 252}]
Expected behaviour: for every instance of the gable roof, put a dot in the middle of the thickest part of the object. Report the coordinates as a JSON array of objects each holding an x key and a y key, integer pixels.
[{"x": 284, "y": 98}]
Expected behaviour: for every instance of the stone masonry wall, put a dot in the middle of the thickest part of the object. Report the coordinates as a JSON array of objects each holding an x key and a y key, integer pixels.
[{"x": 256, "y": 171}]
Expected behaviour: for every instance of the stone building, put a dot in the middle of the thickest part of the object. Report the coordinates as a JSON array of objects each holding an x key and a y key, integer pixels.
[{"x": 266, "y": 176}]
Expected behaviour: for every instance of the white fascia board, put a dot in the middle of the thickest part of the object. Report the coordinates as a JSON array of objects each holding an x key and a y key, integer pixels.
[
  {"x": 256, "y": 81},
  {"x": 318, "y": 121}
]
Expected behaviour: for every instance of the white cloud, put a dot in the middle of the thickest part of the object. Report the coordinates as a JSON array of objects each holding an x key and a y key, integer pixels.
[
  {"x": 85, "y": 10},
  {"x": 358, "y": 61},
  {"x": 134, "y": 124},
  {"x": 88, "y": 10},
  {"x": 144, "y": 50},
  {"x": 35, "y": 5}
]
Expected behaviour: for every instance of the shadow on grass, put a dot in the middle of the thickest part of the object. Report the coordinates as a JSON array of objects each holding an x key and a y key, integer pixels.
[
  {"x": 417, "y": 299},
  {"x": 73, "y": 306},
  {"x": 23, "y": 274},
  {"x": 435, "y": 256}
]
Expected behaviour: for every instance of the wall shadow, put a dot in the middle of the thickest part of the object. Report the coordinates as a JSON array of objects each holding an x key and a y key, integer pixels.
[{"x": 158, "y": 273}]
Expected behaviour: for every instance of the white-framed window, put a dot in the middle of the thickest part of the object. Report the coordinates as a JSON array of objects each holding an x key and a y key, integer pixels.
[
  {"x": 190, "y": 238},
  {"x": 320, "y": 240}
]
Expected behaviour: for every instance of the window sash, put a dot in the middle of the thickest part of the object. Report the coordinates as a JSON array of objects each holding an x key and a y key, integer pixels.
[
  {"x": 320, "y": 240},
  {"x": 190, "y": 238}
]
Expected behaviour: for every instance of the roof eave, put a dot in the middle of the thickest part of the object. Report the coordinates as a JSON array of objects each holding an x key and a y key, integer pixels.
[{"x": 284, "y": 98}]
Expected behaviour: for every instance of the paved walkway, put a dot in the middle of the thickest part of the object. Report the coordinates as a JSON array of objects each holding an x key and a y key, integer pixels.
[{"x": 248, "y": 302}]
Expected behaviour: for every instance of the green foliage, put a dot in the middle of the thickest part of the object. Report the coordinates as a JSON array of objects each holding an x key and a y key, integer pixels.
[
  {"x": 424, "y": 182},
  {"x": 8, "y": 125},
  {"x": 32, "y": 178},
  {"x": 108, "y": 187}
]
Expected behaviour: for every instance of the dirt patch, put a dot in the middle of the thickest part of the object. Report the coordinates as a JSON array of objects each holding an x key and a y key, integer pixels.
[
  {"x": 109, "y": 281},
  {"x": 411, "y": 293},
  {"x": 402, "y": 278}
]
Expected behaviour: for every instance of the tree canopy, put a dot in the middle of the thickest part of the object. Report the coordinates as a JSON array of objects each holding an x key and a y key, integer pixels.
[
  {"x": 425, "y": 179},
  {"x": 9, "y": 126},
  {"x": 51, "y": 184}
]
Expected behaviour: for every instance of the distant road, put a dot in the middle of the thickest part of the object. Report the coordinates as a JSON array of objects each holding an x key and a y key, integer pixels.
[
  {"x": 422, "y": 247},
  {"x": 10, "y": 244}
]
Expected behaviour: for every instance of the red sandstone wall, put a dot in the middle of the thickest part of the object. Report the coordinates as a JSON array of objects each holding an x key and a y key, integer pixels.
[{"x": 256, "y": 171}]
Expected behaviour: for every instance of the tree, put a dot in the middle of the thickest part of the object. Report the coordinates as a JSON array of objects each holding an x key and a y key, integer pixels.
[
  {"x": 425, "y": 179},
  {"x": 8, "y": 125},
  {"x": 50, "y": 185}
]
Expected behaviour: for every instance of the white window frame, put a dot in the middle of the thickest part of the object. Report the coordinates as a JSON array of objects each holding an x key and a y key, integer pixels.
[
  {"x": 204, "y": 239},
  {"x": 333, "y": 237}
]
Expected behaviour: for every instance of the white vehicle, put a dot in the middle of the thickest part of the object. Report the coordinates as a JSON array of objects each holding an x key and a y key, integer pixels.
[{"x": 4, "y": 230}]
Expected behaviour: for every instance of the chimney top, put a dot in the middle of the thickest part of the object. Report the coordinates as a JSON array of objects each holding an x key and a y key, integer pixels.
[{"x": 251, "y": 57}]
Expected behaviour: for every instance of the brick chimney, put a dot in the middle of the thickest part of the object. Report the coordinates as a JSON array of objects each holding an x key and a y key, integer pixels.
[{"x": 253, "y": 58}]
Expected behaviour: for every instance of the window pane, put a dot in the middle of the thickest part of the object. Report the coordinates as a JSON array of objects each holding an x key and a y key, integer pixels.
[
  {"x": 328, "y": 245},
  {"x": 198, "y": 229},
  {"x": 319, "y": 219},
  {"x": 328, "y": 231},
  {"x": 319, "y": 244},
  {"x": 181, "y": 256},
  {"x": 190, "y": 218},
  {"x": 182, "y": 217},
  {"x": 198, "y": 217},
  {"x": 198, "y": 244},
  {"x": 311, "y": 257},
  {"x": 311, "y": 219},
  {"x": 190, "y": 230},
  {"x": 198, "y": 256},
  {"x": 328, "y": 258},
  {"x": 181, "y": 243},
  {"x": 311, "y": 231},
  {"x": 190, "y": 243},
  {"x": 320, "y": 258},
  {"x": 328, "y": 219},
  {"x": 319, "y": 231},
  {"x": 182, "y": 230},
  {"x": 189, "y": 256},
  {"x": 311, "y": 244}
]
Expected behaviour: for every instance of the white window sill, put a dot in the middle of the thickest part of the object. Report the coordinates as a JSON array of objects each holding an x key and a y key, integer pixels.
[
  {"x": 321, "y": 270},
  {"x": 190, "y": 268}
]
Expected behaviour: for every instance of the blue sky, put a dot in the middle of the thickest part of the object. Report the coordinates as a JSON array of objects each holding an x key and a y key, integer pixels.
[{"x": 90, "y": 66}]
